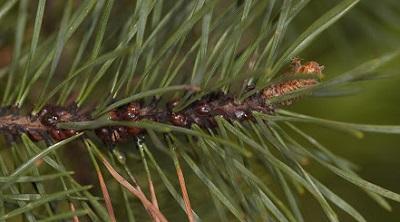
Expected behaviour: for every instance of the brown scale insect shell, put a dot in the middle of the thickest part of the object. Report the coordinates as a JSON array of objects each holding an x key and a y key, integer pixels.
[
  {"x": 49, "y": 119},
  {"x": 63, "y": 115},
  {"x": 122, "y": 132},
  {"x": 58, "y": 134},
  {"x": 203, "y": 109},
  {"x": 130, "y": 112},
  {"x": 69, "y": 132},
  {"x": 179, "y": 119},
  {"x": 135, "y": 131},
  {"x": 104, "y": 134},
  {"x": 113, "y": 115},
  {"x": 34, "y": 135}
]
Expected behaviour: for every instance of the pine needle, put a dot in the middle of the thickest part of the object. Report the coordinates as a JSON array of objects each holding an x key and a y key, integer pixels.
[{"x": 135, "y": 191}]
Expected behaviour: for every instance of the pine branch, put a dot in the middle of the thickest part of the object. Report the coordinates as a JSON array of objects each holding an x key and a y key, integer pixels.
[
  {"x": 201, "y": 112},
  {"x": 203, "y": 89}
]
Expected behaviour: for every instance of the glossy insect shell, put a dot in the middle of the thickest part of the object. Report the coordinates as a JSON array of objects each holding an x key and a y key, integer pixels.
[
  {"x": 58, "y": 134},
  {"x": 104, "y": 135},
  {"x": 203, "y": 109},
  {"x": 135, "y": 131},
  {"x": 49, "y": 119},
  {"x": 133, "y": 110},
  {"x": 179, "y": 119}
]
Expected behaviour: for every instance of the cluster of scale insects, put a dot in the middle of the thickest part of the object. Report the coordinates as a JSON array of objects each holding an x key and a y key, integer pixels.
[{"x": 202, "y": 112}]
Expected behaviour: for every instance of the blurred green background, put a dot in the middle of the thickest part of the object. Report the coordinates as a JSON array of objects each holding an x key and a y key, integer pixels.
[{"x": 369, "y": 30}]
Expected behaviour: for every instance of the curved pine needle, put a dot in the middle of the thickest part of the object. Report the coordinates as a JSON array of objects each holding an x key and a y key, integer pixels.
[
  {"x": 182, "y": 184},
  {"x": 139, "y": 194},
  {"x": 26, "y": 166},
  {"x": 75, "y": 217},
  {"x": 391, "y": 129},
  {"x": 141, "y": 146},
  {"x": 103, "y": 186},
  {"x": 42, "y": 201}
]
